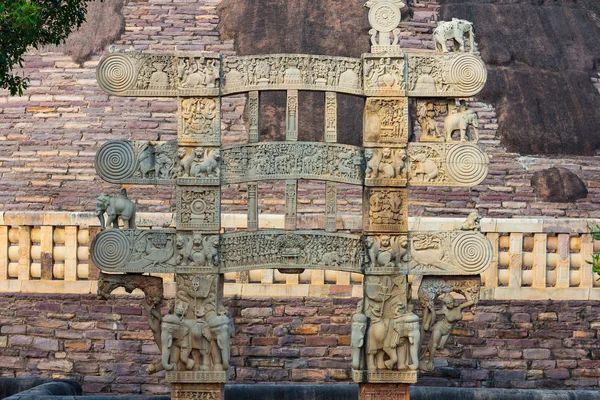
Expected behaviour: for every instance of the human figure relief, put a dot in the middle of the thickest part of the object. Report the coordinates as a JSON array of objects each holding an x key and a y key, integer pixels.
[{"x": 442, "y": 329}]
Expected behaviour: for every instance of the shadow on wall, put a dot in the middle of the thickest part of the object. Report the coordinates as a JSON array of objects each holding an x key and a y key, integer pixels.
[{"x": 540, "y": 56}]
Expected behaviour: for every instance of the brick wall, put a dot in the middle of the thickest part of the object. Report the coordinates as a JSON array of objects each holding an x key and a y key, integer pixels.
[
  {"x": 48, "y": 137},
  {"x": 108, "y": 346}
]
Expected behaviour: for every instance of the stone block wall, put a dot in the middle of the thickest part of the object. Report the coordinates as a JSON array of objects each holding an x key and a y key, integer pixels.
[
  {"x": 48, "y": 137},
  {"x": 107, "y": 345}
]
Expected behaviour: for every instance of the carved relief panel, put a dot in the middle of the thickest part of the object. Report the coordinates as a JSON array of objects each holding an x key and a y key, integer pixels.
[
  {"x": 385, "y": 167},
  {"x": 386, "y": 122},
  {"x": 148, "y": 163},
  {"x": 448, "y": 253},
  {"x": 199, "y": 121},
  {"x": 154, "y": 75},
  {"x": 292, "y": 71},
  {"x": 196, "y": 333},
  {"x": 389, "y": 347},
  {"x": 384, "y": 75},
  {"x": 289, "y": 160},
  {"x": 298, "y": 249},
  {"x": 385, "y": 210},
  {"x": 444, "y": 121},
  {"x": 198, "y": 166},
  {"x": 198, "y": 208},
  {"x": 445, "y": 164},
  {"x": 157, "y": 250},
  {"x": 445, "y": 75},
  {"x": 386, "y": 254}
]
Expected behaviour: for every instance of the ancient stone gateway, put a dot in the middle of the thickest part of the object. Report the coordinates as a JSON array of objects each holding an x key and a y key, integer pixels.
[{"x": 387, "y": 336}]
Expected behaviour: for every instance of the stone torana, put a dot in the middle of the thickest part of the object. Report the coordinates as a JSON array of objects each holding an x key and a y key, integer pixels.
[{"x": 418, "y": 131}]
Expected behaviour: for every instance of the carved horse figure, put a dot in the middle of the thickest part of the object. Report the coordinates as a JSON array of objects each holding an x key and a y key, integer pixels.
[
  {"x": 115, "y": 207},
  {"x": 457, "y": 30}
]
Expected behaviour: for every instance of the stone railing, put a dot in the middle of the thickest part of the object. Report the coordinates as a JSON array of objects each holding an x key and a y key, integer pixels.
[{"x": 537, "y": 259}]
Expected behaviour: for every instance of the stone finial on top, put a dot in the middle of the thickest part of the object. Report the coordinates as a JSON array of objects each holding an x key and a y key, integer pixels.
[{"x": 384, "y": 17}]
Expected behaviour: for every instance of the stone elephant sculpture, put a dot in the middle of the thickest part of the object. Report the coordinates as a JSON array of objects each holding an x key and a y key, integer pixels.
[
  {"x": 357, "y": 339},
  {"x": 179, "y": 338},
  {"x": 115, "y": 207},
  {"x": 393, "y": 337},
  {"x": 460, "y": 121},
  {"x": 457, "y": 30},
  {"x": 220, "y": 330}
]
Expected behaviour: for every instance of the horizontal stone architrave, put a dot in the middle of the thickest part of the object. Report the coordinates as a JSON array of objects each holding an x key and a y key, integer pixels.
[{"x": 198, "y": 74}]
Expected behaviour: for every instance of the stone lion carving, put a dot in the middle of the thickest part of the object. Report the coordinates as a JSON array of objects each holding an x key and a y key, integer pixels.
[{"x": 457, "y": 30}]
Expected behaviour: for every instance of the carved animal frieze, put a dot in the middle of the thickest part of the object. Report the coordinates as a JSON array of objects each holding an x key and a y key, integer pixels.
[
  {"x": 198, "y": 166},
  {"x": 123, "y": 161},
  {"x": 154, "y": 75},
  {"x": 385, "y": 210},
  {"x": 148, "y": 163},
  {"x": 445, "y": 75},
  {"x": 157, "y": 250},
  {"x": 199, "y": 208},
  {"x": 446, "y": 164},
  {"x": 386, "y": 254},
  {"x": 385, "y": 167},
  {"x": 199, "y": 121},
  {"x": 386, "y": 122},
  {"x": 448, "y": 253},
  {"x": 292, "y": 71},
  {"x": 292, "y": 160},
  {"x": 291, "y": 250}
]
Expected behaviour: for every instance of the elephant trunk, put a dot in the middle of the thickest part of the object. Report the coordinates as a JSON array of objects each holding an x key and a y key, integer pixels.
[
  {"x": 166, "y": 352},
  {"x": 225, "y": 358},
  {"x": 356, "y": 355}
]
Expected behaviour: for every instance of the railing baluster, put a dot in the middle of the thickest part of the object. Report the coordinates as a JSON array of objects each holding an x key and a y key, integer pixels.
[
  {"x": 564, "y": 263},
  {"x": 585, "y": 271},
  {"x": 516, "y": 260},
  {"x": 539, "y": 260},
  {"x": 70, "y": 253}
]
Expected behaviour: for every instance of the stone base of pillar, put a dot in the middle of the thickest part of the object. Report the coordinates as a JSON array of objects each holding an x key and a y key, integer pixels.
[
  {"x": 197, "y": 391},
  {"x": 383, "y": 391}
]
